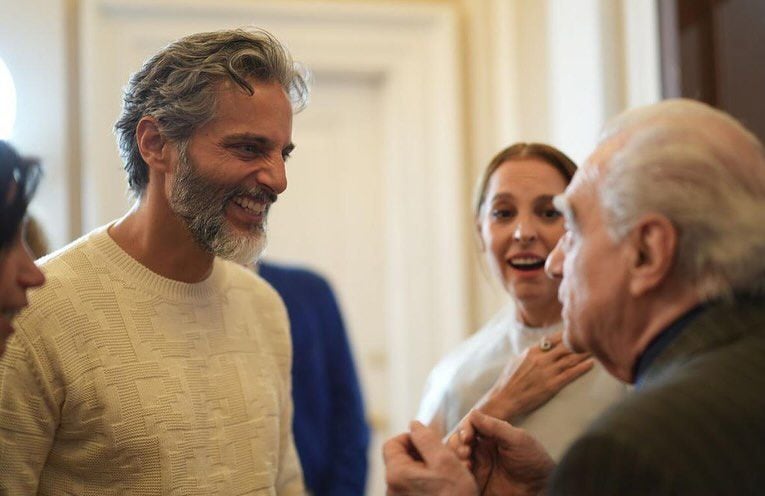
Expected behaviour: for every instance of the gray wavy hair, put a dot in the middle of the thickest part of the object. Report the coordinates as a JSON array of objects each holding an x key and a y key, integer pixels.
[
  {"x": 176, "y": 87},
  {"x": 705, "y": 172}
]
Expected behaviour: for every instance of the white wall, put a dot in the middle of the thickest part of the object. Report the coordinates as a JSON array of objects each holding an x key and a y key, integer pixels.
[
  {"x": 552, "y": 71},
  {"x": 33, "y": 44}
]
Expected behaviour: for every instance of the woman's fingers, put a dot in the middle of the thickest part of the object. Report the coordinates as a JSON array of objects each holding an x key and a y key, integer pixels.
[
  {"x": 461, "y": 439},
  {"x": 525, "y": 385},
  {"x": 558, "y": 351},
  {"x": 573, "y": 372},
  {"x": 570, "y": 360}
]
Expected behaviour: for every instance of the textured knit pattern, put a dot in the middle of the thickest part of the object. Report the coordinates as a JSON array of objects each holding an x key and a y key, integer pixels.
[
  {"x": 119, "y": 382},
  {"x": 695, "y": 426}
]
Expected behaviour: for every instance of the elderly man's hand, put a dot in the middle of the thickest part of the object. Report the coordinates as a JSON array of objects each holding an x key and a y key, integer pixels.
[
  {"x": 418, "y": 463},
  {"x": 506, "y": 460}
]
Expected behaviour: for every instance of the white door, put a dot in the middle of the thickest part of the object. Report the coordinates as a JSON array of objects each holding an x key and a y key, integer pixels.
[{"x": 330, "y": 219}]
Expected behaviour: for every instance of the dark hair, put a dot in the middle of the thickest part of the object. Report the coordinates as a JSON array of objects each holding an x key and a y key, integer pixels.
[
  {"x": 177, "y": 86},
  {"x": 518, "y": 151},
  {"x": 19, "y": 177}
]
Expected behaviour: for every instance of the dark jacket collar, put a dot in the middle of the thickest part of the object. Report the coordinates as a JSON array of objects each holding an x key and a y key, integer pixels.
[
  {"x": 720, "y": 323},
  {"x": 663, "y": 340}
]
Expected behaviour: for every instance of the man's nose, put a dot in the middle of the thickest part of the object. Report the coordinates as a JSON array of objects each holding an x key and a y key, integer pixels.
[
  {"x": 554, "y": 263},
  {"x": 274, "y": 175}
]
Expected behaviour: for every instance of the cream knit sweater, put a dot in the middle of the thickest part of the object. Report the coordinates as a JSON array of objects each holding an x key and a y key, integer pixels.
[{"x": 119, "y": 381}]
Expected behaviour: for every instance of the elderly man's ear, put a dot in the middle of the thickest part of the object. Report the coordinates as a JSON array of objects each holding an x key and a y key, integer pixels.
[
  {"x": 154, "y": 148},
  {"x": 653, "y": 242}
]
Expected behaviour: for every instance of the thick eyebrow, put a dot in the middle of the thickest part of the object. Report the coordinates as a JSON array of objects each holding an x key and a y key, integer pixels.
[
  {"x": 561, "y": 203},
  {"x": 256, "y": 139},
  {"x": 248, "y": 137}
]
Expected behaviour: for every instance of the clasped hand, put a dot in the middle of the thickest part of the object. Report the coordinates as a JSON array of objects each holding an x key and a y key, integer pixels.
[{"x": 505, "y": 461}]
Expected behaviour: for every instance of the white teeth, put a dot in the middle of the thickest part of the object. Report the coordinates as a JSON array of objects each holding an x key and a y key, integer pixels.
[
  {"x": 250, "y": 205},
  {"x": 525, "y": 260}
]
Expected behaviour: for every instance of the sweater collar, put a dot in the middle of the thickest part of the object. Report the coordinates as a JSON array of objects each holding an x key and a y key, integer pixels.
[{"x": 147, "y": 279}]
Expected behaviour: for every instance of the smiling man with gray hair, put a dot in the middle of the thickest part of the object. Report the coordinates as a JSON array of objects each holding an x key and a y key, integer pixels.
[
  {"x": 663, "y": 280},
  {"x": 149, "y": 364}
]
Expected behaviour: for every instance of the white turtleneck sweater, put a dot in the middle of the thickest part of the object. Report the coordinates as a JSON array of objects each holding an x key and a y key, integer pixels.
[
  {"x": 119, "y": 381},
  {"x": 461, "y": 378}
]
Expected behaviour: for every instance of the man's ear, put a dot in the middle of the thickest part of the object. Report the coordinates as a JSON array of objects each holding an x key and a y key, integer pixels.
[
  {"x": 155, "y": 150},
  {"x": 654, "y": 242}
]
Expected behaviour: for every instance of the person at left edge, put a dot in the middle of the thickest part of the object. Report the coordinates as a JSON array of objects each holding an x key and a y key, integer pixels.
[
  {"x": 151, "y": 363},
  {"x": 18, "y": 273},
  {"x": 331, "y": 433}
]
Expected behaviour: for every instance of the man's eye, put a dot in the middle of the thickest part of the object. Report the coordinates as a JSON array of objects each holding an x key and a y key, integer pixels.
[
  {"x": 286, "y": 155},
  {"x": 247, "y": 149}
]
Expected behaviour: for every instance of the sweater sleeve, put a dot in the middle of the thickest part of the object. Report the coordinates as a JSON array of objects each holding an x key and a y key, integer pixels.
[
  {"x": 28, "y": 418},
  {"x": 290, "y": 477}
]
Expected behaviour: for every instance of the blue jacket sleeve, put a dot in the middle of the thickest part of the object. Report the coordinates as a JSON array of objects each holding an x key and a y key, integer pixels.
[
  {"x": 349, "y": 439},
  {"x": 331, "y": 433}
]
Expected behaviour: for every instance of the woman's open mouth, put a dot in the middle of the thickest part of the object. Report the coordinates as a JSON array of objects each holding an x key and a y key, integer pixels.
[{"x": 526, "y": 262}]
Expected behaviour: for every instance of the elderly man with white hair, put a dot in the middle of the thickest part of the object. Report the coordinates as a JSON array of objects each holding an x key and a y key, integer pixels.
[{"x": 663, "y": 268}]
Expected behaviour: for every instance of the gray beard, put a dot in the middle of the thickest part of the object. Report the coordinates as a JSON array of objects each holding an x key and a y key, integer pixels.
[{"x": 201, "y": 203}]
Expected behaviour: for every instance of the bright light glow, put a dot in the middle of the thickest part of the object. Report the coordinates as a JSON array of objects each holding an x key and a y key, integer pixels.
[{"x": 7, "y": 102}]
